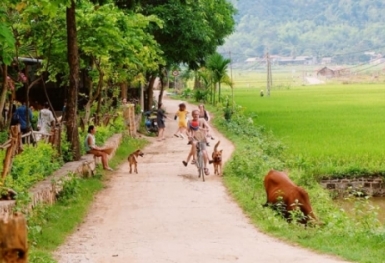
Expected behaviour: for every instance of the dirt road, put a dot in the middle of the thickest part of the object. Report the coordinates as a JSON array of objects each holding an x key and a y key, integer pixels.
[{"x": 166, "y": 214}]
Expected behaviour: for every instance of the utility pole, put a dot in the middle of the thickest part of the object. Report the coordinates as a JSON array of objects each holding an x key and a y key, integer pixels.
[
  {"x": 231, "y": 78},
  {"x": 269, "y": 78}
]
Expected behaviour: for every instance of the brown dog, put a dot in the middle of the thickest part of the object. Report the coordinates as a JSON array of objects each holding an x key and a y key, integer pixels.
[
  {"x": 132, "y": 160},
  {"x": 217, "y": 159}
]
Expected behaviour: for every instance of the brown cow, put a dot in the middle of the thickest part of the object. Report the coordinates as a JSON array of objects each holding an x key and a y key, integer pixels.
[{"x": 279, "y": 186}]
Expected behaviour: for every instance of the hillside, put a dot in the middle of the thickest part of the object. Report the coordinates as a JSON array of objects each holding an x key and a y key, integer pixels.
[{"x": 342, "y": 29}]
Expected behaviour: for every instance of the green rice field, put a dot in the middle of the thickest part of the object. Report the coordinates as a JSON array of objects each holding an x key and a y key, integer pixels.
[{"x": 323, "y": 121}]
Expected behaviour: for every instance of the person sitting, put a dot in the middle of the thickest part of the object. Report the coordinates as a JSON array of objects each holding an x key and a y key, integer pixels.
[
  {"x": 91, "y": 148},
  {"x": 196, "y": 133}
]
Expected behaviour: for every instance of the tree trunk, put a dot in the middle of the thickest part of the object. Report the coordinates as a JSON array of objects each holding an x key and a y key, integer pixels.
[
  {"x": 163, "y": 75},
  {"x": 3, "y": 96},
  {"x": 197, "y": 84},
  {"x": 150, "y": 94},
  {"x": 123, "y": 90},
  {"x": 47, "y": 97},
  {"x": 13, "y": 239},
  {"x": 161, "y": 93},
  {"x": 72, "y": 91},
  {"x": 11, "y": 151},
  {"x": 93, "y": 96}
]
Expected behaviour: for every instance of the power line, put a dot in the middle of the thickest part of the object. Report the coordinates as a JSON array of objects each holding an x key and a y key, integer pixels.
[{"x": 369, "y": 67}]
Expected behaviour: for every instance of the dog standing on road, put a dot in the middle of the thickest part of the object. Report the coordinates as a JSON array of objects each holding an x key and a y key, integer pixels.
[
  {"x": 132, "y": 160},
  {"x": 217, "y": 159}
]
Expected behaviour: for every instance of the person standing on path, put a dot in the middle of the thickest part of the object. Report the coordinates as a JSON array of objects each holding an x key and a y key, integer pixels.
[
  {"x": 181, "y": 114},
  {"x": 45, "y": 119},
  {"x": 203, "y": 114},
  {"x": 25, "y": 117},
  {"x": 160, "y": 116}
]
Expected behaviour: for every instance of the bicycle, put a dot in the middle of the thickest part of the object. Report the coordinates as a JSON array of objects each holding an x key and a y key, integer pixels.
[{"x": 200, "y": 160}]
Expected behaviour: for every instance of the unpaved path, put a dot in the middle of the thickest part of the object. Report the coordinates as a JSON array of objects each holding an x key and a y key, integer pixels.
[
  {"x": 166, "y": 214},
  {"x": 314, "y": 81}
]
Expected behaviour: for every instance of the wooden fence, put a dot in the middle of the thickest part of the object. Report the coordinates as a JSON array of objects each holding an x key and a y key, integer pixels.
[{"x": 14, "y": 145}]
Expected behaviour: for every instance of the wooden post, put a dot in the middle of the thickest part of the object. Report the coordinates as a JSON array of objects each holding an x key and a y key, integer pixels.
[
  {"x": 14, "y": 148},
  {"x": 131, "y": 120},
  {"x": 269, "y": 78},
  {"x": 126, "y": 115},
  {"x": 13, "y": 239}
]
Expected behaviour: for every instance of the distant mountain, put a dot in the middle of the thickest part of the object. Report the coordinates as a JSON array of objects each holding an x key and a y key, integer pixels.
[{"x": 342, "y": 29}]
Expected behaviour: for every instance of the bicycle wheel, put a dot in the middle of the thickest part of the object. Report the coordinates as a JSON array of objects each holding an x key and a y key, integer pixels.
[{"x": 200, "y": 164}]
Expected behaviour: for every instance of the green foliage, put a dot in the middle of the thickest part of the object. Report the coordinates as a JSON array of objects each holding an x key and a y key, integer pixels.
[
  {"x": 196, "y": 27},
  {"x": 33, "y": 165},
  {"x": 7, "y": 40},
  {"x": 187, "y": 93},
  {"x": 227, "y": 112},
  {"x": 3, "y": 136},
  {"x": 65, "y": 146},
  {"x": 118, "y": 126},
  {"x": 138, "y": 109},
  {"x": 70, "y": 189},
  {"x": 35, "y": 117},
  {"x": 201, "y": 95},
  {"x": 217, "y": 64}
]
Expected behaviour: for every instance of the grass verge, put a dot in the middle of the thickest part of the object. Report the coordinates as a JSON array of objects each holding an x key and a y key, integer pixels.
[{"x": 356, "y": 239}]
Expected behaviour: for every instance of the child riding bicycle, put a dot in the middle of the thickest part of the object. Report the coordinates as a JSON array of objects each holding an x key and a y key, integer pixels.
[{"x": 196, "y": 132}]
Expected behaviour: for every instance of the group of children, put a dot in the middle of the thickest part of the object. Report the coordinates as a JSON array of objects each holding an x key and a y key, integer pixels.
[
  {"x": 196, "y": 129},
  {"x": 182, "y": 116},
  {"x": 198, "y": 123}
]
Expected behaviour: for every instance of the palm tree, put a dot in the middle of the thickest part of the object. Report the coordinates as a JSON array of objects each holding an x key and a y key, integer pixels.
[{"x": 217, "y": 64}]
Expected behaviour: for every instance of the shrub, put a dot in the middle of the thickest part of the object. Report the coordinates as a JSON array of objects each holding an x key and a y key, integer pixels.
[
  {"x": 33, "y": 165},
  {"x": 201, "y": 95},
  {"x": 187, "y": 93},
  {"x": 3, "y": 136}
]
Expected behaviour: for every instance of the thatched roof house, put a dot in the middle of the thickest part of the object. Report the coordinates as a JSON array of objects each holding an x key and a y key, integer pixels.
[{"x": 330, "y": 72}]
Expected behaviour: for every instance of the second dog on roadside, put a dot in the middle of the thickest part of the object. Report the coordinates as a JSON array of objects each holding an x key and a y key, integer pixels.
[
  {"x": 132, "y": 160},
  {"x": 217, "y": 159}
]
